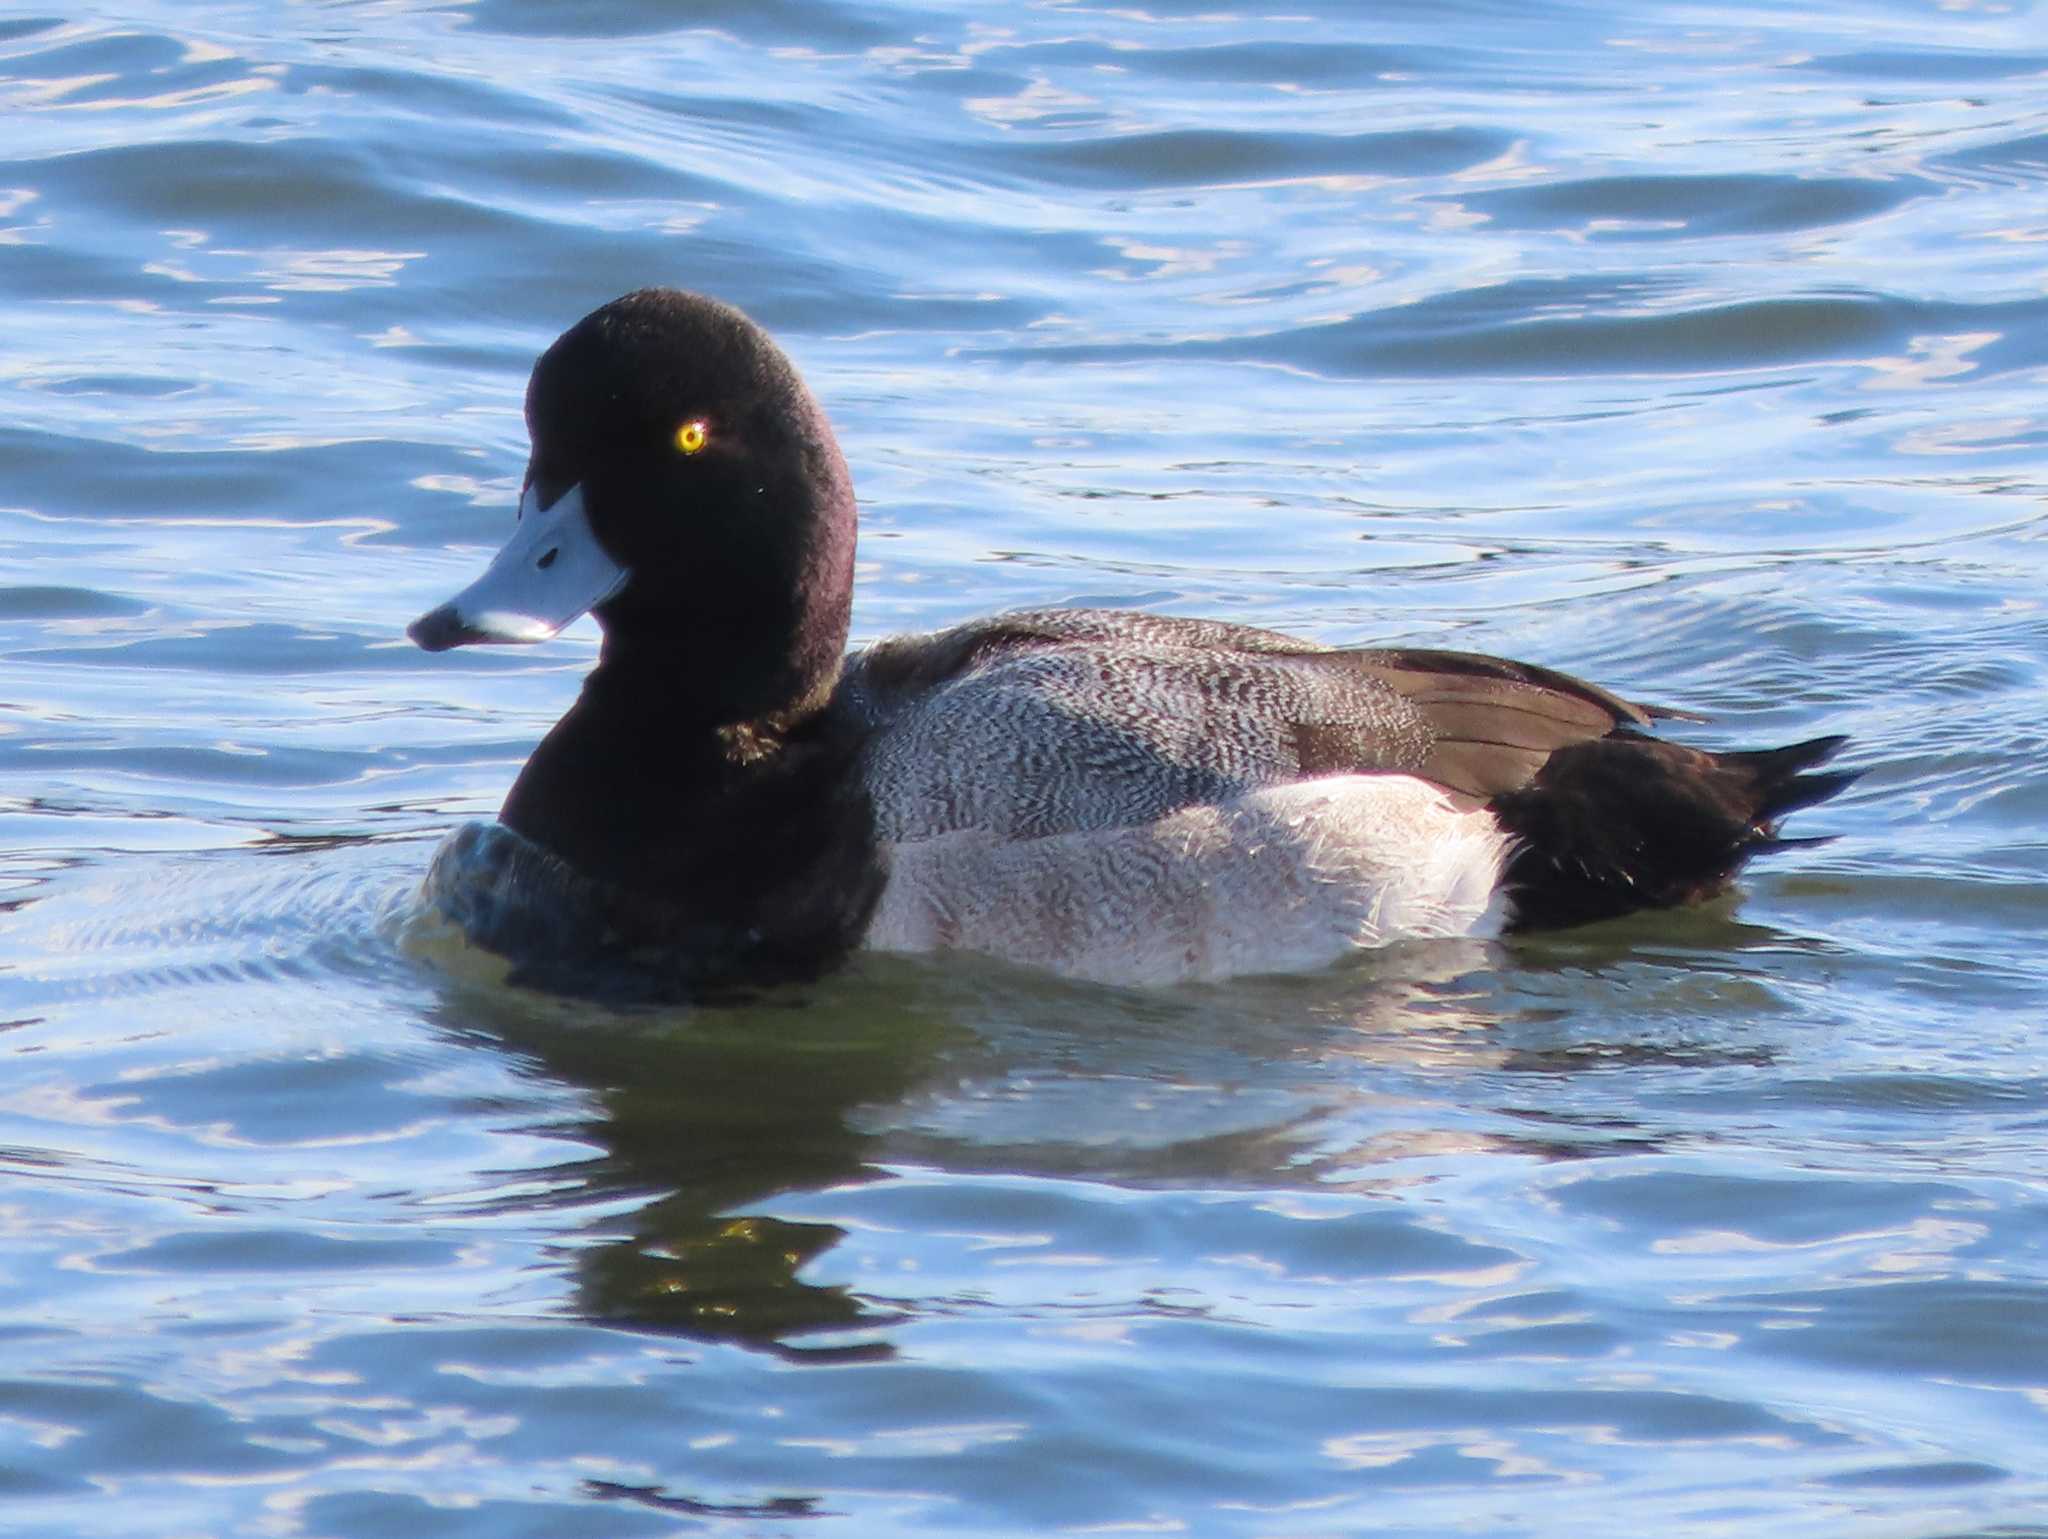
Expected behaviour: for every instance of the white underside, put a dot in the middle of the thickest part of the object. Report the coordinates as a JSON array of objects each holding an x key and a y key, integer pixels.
[{"x": 1280, "y": 880}]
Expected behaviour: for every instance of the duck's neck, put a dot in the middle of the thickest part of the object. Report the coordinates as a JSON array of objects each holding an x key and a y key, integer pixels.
[
  {"x": 752, "y": 839},
  {"x": 700, "y": 680},
  {"x": 639, "y": 773}
]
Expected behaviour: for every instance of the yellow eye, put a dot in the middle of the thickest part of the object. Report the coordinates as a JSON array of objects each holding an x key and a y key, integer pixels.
[{"x": 692, "y": 436}]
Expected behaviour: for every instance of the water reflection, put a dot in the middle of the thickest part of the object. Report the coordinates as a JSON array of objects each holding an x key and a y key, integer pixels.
[
  {"x": 1364, "y": 1079},
  {"x": 710, "y": 1113}
]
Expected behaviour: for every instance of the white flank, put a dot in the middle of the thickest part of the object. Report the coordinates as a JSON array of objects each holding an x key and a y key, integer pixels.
[{"x": 1280, "y": 880}]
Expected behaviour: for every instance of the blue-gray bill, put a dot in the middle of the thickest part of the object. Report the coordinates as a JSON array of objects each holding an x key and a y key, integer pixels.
[{"x": 551, "y": 571}]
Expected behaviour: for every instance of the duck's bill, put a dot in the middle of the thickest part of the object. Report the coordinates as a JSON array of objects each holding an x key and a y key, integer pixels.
[{"x": 550, "y": 571}]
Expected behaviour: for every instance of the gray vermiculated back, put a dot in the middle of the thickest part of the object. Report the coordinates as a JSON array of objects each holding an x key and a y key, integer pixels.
[{"x": 1056, "y": 721}]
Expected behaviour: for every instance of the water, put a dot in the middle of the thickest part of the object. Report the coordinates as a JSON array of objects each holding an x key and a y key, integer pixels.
[{"x": 1696, "y": 348}]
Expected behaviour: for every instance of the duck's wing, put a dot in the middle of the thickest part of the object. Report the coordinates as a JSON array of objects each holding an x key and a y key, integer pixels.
[
  {"x": 1492, "y": 723},
  {"x": 1051, "y": 722}
]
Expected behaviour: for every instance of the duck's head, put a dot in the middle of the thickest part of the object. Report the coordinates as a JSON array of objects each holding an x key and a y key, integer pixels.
[{"x": 684, "y": 489}]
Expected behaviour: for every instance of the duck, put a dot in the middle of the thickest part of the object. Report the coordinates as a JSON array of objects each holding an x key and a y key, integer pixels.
[{"x": 1123, "y": 797}]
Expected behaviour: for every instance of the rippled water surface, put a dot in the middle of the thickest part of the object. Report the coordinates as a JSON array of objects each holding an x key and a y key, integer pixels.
[{"x": 1696, "y": 348}]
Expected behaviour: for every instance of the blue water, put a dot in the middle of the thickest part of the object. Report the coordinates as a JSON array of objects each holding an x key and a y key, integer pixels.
[{"x": 1696, "y": 348}]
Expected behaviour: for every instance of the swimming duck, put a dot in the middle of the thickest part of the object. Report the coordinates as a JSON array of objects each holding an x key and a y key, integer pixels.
[{"x": 1117, "y": 796}]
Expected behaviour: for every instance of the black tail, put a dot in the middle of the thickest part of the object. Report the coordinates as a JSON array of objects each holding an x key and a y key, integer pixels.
[{"x": 1627, "y": 822}]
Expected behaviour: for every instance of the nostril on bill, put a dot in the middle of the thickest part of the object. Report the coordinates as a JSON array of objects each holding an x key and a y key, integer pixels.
[{"x": 548, "y": 557}]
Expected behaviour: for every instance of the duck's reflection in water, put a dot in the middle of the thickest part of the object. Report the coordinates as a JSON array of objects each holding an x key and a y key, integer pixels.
[{"x": 1353, "y": 1079}]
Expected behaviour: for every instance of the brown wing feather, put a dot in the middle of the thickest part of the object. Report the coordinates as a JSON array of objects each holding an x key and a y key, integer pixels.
[
  {"x": 1480, "y": 770},
  {"x": 1417, "y": 672},
  {"x": 1493, "y": 723},
  {"x": 1483, "y": 725}
]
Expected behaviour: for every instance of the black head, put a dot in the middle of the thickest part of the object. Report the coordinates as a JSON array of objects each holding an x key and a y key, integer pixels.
[{"x": 687, "y": 489}]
